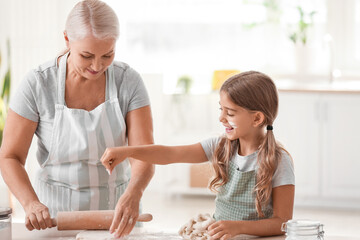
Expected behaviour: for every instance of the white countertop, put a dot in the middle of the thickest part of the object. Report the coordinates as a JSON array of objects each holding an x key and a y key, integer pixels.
[
  {"x": 319, "y": 86},
  {"x": 19, "y": 232}
]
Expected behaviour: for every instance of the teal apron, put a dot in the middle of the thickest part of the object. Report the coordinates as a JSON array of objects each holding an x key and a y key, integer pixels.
[{"x": 235, "y": 200}]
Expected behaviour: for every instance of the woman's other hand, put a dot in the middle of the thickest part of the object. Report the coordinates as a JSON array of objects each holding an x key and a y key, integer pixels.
[
  {"x": 126, "y": 214},
  {"x": 37, "y": 216},
  {"x": 223, "y": 230},
  {"x": 112, "y": 157}
]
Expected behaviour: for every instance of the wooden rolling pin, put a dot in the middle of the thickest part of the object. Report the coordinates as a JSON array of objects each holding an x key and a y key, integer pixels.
[{"x": 89, "y": 220}]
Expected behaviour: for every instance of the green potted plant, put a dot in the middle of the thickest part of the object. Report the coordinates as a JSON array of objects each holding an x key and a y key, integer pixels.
[
  {"x": 184, "y": 83},
  {"x": 300, "y": 37},
  {"x": 5, "y": 91},
  {"x": 300, "y": 33}
]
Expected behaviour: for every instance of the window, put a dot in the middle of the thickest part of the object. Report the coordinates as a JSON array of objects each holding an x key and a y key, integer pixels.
[
  {"x": 356, "y": 30},
  {"x": 196, "y": 37}
]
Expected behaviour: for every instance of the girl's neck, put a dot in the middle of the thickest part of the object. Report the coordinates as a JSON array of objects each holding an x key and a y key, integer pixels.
[{"x": 249, "y": 146}]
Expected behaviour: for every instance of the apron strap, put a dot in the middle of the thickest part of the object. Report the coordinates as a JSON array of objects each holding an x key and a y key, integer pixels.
[
  {"x": 111, "y": 89},
  {"x": 61, "y": 80}
]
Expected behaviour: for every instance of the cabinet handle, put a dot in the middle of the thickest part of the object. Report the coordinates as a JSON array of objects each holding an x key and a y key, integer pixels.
[
  {"x": 325, "y": 112},
  {"x": 317, "y": 111}
]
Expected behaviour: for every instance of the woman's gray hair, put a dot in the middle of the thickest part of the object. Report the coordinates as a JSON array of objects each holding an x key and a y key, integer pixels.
[{"x": 92, "y": 17}]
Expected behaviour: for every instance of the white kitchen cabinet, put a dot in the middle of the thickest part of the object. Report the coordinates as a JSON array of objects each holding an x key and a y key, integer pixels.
[
  {"x": 296, "y": 128},
  {"x": 341, "y": 151},
  {"x": 320, "y": 131}
]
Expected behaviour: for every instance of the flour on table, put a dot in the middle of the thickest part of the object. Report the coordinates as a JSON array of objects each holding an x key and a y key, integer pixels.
[
  {"x": 196, "y": 228},
  {"x": 94, "y": 234},
  {"x": 136, "y": 234}
]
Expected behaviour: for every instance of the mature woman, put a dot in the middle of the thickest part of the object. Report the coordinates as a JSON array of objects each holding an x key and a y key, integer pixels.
[{"x": 78, "y": 104}]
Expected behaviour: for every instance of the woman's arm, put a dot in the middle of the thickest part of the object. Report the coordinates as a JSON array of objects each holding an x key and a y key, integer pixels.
[
  {"x": 283, "y": 203},
  {"x": 18, "y": 134},
  {"x": 139, "y": 131}
]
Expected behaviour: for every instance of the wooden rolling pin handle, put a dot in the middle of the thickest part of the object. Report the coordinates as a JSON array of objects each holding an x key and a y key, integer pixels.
[
  {"x": 89, "y": 220},
  {"x": 146, "y": 217},
  {"x": 53, "y": 221}
]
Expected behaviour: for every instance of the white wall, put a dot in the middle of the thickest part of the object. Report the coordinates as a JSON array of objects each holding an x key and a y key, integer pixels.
[{"x": 35, "y": 30}]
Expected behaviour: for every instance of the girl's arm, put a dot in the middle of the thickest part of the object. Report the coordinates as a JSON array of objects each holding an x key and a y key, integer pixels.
[
  {"x": 155, "y": 154},
  {"x": 283, "y": 202},
  {"x": 18, "y": 134}
]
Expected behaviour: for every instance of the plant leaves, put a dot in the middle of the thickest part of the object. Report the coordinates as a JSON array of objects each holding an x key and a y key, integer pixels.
[{"x": 5, "y": 92}]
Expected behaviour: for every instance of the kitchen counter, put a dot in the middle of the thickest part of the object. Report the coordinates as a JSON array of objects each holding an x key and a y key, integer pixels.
[
  {"x": 322, "y": 87},
  {"x": 19, "y": 232}
]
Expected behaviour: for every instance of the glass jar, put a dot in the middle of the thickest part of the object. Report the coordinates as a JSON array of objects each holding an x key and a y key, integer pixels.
[
  {"x": 5, "y": 223},
  {"x": 303, "y": 229}
]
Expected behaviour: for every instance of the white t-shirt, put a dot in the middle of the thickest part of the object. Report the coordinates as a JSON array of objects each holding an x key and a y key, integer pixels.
[{"x": 284, "y": 173}]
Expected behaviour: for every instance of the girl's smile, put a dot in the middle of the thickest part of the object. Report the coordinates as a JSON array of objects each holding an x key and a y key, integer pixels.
[{"x": 229, "y": 129}]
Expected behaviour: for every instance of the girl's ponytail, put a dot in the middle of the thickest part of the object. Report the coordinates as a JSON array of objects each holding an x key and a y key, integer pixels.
[{"x": 268, "y": 157}]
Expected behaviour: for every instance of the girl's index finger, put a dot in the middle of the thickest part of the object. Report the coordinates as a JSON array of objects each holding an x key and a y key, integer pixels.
[{"x": 106, "y": 162}]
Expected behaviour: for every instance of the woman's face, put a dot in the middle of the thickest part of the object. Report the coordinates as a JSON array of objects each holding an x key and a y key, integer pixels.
[
  {"x": 90, "y": 57},
  {"x": 238, "y": 121}
]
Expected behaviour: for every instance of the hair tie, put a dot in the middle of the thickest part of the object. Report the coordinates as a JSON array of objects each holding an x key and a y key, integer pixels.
[{"x": 269, "y": 127}]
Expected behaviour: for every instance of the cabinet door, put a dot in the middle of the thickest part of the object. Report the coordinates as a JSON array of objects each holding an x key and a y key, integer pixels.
[
  {"x": 341, "y": 152},
  {"x": 297, "y": 128}
]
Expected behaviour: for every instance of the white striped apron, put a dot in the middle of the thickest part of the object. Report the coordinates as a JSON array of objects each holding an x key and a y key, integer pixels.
[{"x": 73, "y": 178}]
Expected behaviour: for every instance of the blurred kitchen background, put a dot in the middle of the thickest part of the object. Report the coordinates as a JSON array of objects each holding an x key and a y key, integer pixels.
[{"x": 184, "y": 49}]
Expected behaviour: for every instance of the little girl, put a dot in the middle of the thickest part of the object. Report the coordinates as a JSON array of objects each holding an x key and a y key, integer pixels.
[{"x": 254, "y": 176}]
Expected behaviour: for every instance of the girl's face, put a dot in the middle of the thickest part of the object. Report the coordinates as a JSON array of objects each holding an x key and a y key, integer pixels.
[
  {"x": 238, "y": 122},
  {"x": 90, "y": 57}
]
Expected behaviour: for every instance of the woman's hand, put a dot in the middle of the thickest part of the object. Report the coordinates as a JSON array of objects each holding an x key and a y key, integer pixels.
[
  {"x": 112, "y": 157},
  {"x": 37, "y": 216},
  {"x": 223, "y": 230},
  {"x": 126, "y": 214}
]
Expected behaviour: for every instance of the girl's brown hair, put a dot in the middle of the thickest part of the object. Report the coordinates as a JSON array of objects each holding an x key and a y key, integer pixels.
[{"x": 253, "y": 91}]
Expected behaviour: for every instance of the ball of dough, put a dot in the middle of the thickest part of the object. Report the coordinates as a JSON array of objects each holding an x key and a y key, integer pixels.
[{"x": 196, "y": 228}]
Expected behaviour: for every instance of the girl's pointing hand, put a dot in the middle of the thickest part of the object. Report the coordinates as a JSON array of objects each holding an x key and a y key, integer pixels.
[{"x": 112, "y": 157}]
